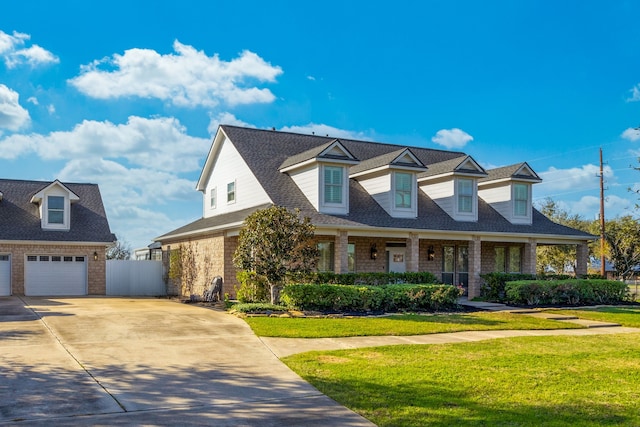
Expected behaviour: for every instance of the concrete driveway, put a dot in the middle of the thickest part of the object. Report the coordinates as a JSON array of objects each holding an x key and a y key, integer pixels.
[{"x": 124, "y": 361}]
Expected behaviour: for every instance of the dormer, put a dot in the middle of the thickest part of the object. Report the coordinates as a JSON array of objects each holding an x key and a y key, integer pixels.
[
  {"x": 391, "y": 180},
  {"x": 453, "y": 185},
  {"x": 509, "y": 191},
  {"x": 322, "y": 175},
  {"x": 54, "y": 206}
]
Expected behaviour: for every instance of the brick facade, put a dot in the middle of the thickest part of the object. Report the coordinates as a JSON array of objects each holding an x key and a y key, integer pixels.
[
  {"x": 214, "y": 257},
  {"x": 96, "y": 270}
]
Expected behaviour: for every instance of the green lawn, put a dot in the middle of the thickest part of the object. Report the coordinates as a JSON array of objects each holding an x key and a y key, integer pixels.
[
  {"x": 408, "y": 324},
  {"x": 525, "y": 381},
  {"x": 626, "y": 316}
]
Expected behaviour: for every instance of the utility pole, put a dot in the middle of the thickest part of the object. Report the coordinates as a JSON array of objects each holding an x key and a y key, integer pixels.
[{"x": 602, "y": 257}]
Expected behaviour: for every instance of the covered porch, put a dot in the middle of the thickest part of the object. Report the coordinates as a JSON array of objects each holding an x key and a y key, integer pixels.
[{"x": 454, "y": 258}]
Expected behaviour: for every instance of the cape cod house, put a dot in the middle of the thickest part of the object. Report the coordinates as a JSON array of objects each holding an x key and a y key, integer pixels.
[
  {"x": 376, "y": 207},
  {"x": 53, "y": 237}
]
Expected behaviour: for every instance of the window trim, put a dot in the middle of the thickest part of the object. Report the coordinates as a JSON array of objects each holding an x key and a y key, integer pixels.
[
  {"x": 403, "y": 192},
  {"x": 51, "y": 210},
  {"x": 213, "y": 198},
  {"x": 519, "y": 202},
  {"x": 231, "y": 193},
  {"x": 460, "y": 195},
  {"x": 325, "y": 185}
]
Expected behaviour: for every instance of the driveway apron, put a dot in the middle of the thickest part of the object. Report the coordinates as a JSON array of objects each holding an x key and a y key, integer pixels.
[{"x": 124, "y": 361}]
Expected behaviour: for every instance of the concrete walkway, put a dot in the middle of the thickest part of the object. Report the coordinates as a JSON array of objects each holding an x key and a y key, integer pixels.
[{"x": 283, "y": 347}]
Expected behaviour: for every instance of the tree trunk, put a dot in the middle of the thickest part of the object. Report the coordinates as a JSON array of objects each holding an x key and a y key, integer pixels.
[{"x": 275, "y": 294}]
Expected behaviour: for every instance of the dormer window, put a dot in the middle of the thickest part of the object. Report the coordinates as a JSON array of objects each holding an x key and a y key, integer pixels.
[
  {"x": 55, "y": 210},
  {"x": 520, "y": 199},
  {"x": 403, "y": 190},
  {"x": 333, "y": 184},
  {"x": 465, "y": 195}
]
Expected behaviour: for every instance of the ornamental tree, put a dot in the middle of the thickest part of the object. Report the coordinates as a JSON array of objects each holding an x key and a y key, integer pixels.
[{"x": 275, "y": 242}]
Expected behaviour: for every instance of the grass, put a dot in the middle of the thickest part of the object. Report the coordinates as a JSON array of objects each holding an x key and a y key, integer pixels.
[
  {"x": 525, "y": 381},
  {"x": 626, "y": 316},
  {"x": 408, "y": 324}
]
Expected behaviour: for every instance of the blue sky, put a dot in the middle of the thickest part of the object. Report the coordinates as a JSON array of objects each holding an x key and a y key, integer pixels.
[{"x": 128, "y": 94}]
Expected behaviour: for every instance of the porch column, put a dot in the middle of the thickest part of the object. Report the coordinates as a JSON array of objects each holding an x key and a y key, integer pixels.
[
  {"x": 475, "y": 267},
  {"x": 530, "y": 257},
  {"x": 582, "y": 258},
  {"x": 341, "y": 259},
  {"x": 413, "y": 252}
]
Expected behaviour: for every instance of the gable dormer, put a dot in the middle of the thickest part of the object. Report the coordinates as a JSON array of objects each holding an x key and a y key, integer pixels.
[
  {"x": 54, "y": 206},
  {"x": 509, "y": 191},
  {"x": 453, "y": 185},
  {"x": 391, "y": 180},
  {"x": 322, "y": 175}
]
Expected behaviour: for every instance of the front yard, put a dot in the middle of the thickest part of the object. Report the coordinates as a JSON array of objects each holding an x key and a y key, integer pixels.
[{"x": 525, "y": 381}]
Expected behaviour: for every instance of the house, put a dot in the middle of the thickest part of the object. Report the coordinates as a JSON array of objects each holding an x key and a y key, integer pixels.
[
  {"x": 376, "y": 207},
  {"x": 53, "y": 237}
]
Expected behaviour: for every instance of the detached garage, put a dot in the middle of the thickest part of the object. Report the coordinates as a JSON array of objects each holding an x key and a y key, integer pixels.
[{"x": 53, "y": 237}]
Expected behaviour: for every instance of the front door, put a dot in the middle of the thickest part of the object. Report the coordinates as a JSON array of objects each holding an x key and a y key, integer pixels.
[
  {"x": 396, "y": 260},
  {"x": 455, "y": 266}
]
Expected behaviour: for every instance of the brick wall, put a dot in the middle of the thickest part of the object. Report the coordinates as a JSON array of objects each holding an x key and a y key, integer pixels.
[{"x": 96, "y": 270}]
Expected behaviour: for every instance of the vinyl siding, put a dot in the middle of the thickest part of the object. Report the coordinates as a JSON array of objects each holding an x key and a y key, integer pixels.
[{"x": 230, "y": 167}]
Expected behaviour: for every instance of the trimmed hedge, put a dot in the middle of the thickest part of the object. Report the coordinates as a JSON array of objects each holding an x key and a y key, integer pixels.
[
  {"x": 366, "y": 279},
  {"x": 493, "y": 288},
  {"x": 566, "y": 292},
  {"x": 381, "y": 298}
]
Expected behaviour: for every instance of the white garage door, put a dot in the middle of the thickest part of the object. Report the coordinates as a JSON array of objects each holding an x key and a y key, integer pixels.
[
  {"x": 51, "y": 275},
  {"x": 5, "y": 276}
]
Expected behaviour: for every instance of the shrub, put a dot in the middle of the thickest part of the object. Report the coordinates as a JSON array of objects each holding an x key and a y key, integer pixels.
[
  {"x": 345, "y": 298},
  {"x": 258, "y": 307},
  {"x": 367, "y": 279},
  {"x": 493, "y": 288},
  {"x": 253, "y": 288},
  {"x": 566, "y": 292}
]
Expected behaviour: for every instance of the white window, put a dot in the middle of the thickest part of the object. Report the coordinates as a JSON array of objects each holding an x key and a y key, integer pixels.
[
  {"x": 465, "y": 195},
  {"x": 55, "y": 210},
  {"x": 520, "y": 199},
  {"x": 403, "y": 186},
  {"x": 333, "y": 183},
  {"x": 212, "y": 198},
  {"x": 231, "y": 192}
]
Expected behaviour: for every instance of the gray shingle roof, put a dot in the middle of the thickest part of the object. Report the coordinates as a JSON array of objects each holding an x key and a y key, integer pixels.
[
  {"x": 19, "y": 219},
  {"x": 507, "y": 172},
  {"x": 264, "y": 151},
  {"x": 384, "y": 160}
]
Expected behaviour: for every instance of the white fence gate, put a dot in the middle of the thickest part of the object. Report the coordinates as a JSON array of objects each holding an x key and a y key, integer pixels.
[{"x": 135, "y": 278}]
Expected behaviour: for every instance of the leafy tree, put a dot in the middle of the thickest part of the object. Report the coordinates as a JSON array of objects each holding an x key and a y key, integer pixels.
[
  {"x": 119, "y": 250},
  {"x": 560, "y": 258},
  {"x": 622, "y": 244},
  {"x": 274, "y": 242}
]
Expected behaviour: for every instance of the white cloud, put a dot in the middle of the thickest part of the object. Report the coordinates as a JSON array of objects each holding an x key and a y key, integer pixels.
[
  {"x": 129, "y": 186},
  {"x": 452, "y": 138},
  {"x": 325, "y": 130},
  {"x": 187, "y": 78},
  {"x": 574, "y": 179},
  {"x": 635, "y": 93},
  {"x": 159, "y": 143},
  {"x": 225, "y": 119},
  {"x": 631, "y": 134},
  {"x": 13, "y": 53},
  {"x": 12, "y": 115},
  {"x": 589, "y": 206}
]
